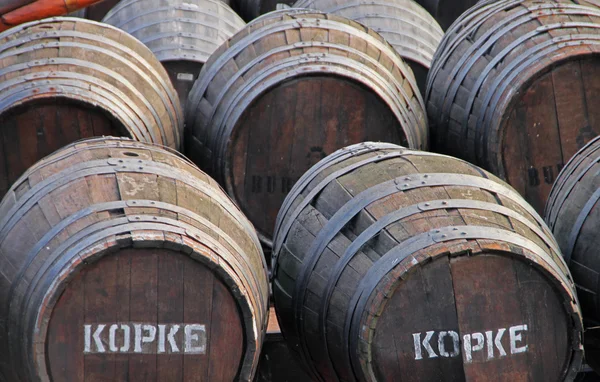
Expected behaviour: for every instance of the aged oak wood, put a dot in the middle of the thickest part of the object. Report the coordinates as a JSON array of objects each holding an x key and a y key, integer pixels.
[
  {"x": 286, "y": 91},
  {"x": 182, "y": 34},
  {"x": 512, "y": 87},
  {"x": 391, "y": 264},
  {"x": 123, "y": 261},
  {"x": 403, "y": 23},
  {"x": 64, "y": 79},
  {"x": 572, "y": 214}
]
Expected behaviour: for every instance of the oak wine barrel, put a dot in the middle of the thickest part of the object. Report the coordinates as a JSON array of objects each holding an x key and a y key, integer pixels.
[
  {"x": 511, "y": 89},
  {"x": 573, "y": 215},
  {"x": 403, "y": 23},
  {"x": 182, "y": 34},
  {"x": 391, "y": 262},
  {"x": 447, "y": 11},
  {"x": 63, "y": 79},
  {"x": 286, "y": 91},
  {"x": 123, "y": 259}
]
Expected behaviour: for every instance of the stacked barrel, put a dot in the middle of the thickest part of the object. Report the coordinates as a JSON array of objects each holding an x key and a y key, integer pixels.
[{"x": 314, "y": 192}]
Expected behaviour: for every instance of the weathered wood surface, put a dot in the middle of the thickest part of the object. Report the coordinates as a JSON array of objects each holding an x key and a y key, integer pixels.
[
  {"x": 288, "y": 90},
  {"x": 447, "y": 11},
  {"x": 390, "y": 262},
  {"x": 512, "y": 87},
  {"x": 64, "y": 79},
  {"x": 133, "y": 237},
  {"x": 403, "y": 23},
  {"x": 182, "y": 34},
  {"x": 573, "y": 214}
]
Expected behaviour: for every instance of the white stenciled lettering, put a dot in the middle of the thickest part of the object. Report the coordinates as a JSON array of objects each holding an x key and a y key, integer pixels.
[
  {"x": 126, "y": 339},
  {"x": 171, "y": 338},
  {"x": 514, "y": 338},
  {"x": 161, "y": 338},
  {"x": 488, "y": 342},
  {"x": 137, "y": 344},
  {"x": 193, "y": 343},
  {"x": 112, "y": 343},
  {"x": 151, "y": 334},
  {"x": 144, "y": 338},
  {"x": 470, "y": 348},
  {"x": 87, "y": 346},
  {"x": 442, "y": 345}
]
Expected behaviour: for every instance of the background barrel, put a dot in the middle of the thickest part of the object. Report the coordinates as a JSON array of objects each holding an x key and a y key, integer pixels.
[
  {"x": 393, "y": 262},
  {"x": 447, "y": 11},
  {"x": 126, "y": 260},
  {"x": 403, "y": 23},
  {"x": 288, "y": 90},
  {"x": 511, "y": 86},
  {"x": 63, "y": 79},
  {"x": 572, "y": 213},
  {"x": 181, "y": 34}
]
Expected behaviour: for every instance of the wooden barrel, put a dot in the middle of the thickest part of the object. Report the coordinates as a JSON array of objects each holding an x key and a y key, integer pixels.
[
  {"x": 403, "y": 23},
  {"x": 180, "y": 33},
  {"x": 573, "y": 215},
  {"x": 446, "y": 11},
  {"x": 64, "y": 79},
  {"x": 288, "y": 90},
  {"x": 126, "y": 260},
  {"x": 393, "y": 262},
  {"x": 510, "y": 89}
]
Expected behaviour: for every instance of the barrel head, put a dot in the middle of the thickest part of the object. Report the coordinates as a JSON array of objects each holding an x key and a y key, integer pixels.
[
  {"x": 293, "y": 126},
  {"x": 146, "y": 314},
  {"x": 472, "y": 317}
]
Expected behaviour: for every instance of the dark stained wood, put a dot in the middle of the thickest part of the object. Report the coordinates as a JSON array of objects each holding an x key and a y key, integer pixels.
[
  {"x": 32, "y": 132},
  {"x": 295, "y": 105},
  {"x": 102, "y": 86},
  {"x": 183, "y": 75},
  {"x": 447, "y": 251},
  {"x": 282, "y": 144},
  {"x": 516, "y": 102},
  {"x": 277, "y": 361},
  {"x": 148, "y": 240}
]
